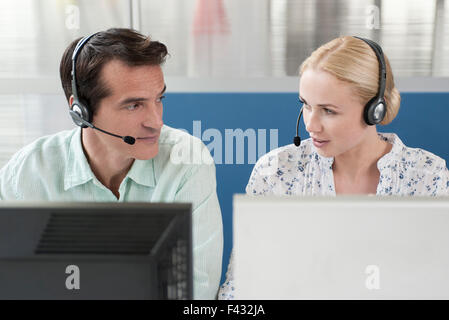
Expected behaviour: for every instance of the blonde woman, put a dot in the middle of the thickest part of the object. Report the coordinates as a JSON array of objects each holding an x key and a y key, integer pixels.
[{"x": 347, "y": 88}]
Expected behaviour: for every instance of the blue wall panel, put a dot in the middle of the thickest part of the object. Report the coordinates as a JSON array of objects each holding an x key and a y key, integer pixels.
[{"x": 421, "y": 122}]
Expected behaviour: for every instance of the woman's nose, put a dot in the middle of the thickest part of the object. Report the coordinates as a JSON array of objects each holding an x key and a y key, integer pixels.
[{"x": 312, "y": 121}]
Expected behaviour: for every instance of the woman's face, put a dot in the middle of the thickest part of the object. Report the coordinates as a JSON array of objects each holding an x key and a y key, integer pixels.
[{"x": 333, "y": 115}]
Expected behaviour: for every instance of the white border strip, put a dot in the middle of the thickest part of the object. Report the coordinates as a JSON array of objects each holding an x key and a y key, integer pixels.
[
  {"x": 52, "y": 85},
  {"x": 42, "y": 85},
  {"x": 287, "y": 84}
]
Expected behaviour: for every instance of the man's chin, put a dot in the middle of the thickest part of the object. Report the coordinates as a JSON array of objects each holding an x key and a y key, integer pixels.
[{"x": 147, "y": 154}]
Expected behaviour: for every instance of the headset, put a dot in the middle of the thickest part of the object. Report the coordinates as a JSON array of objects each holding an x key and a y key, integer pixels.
[
  {"x": 376, "y": 108},
  {"x": 79, "y": 110}
]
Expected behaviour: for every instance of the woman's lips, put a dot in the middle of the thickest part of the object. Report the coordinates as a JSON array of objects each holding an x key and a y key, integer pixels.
[{"x": 319, "y": 143}]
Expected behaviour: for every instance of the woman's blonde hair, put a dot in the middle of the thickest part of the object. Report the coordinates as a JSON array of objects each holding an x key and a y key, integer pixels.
[{"x": 353, "y": 61}]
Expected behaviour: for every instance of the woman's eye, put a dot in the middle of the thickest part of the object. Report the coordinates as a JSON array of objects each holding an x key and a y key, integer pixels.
[{"x": 328, "y": 111}]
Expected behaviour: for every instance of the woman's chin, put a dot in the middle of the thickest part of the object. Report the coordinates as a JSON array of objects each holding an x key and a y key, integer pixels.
[{"x": 324, "y": 153}]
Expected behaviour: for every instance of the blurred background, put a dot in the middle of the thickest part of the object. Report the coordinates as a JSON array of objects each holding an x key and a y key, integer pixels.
[{"x": 224, "y": 54}]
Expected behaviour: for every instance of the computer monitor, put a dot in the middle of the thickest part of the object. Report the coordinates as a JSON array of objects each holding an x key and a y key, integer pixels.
[
  {"x": 354, "y": 247},
  {"x": 95, "y": 251}
]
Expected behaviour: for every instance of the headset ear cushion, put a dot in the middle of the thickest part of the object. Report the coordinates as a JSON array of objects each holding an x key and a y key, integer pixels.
[
  {"x": 374, "y": 111},
  {"x": 85, "y": 111},
  {"x": 79, "y": 110}
]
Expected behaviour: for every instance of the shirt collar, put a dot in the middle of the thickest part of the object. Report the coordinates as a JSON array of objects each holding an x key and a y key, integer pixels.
[
  {"x": 324, "y": 162},
  {"x": 77, "y": 169},
  {"x": 142, "y": 172},
  {"x": 395, "y": 152}
]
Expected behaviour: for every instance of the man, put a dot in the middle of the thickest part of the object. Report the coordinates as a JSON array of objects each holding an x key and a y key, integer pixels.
[{"x": 117, "y": 87}]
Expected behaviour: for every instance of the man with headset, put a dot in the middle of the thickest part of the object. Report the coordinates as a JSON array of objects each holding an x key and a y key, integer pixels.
[{"x": 121, "y": 150}]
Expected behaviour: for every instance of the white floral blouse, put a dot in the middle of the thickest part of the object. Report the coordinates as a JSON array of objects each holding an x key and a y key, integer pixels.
[{"x": 292, "y": 170}]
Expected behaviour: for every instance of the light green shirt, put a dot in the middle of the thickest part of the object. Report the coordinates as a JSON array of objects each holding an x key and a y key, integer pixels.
[{"x": 54, "y": 168}]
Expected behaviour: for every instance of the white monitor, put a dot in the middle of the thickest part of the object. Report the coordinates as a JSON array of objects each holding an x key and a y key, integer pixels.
[{"x": 356, "y": 247}]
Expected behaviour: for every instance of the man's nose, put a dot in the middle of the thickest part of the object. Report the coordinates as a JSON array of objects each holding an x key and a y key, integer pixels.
[{"x": 153, "y": 117}]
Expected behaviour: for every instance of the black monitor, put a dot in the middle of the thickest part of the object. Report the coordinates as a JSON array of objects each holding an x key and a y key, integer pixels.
[{"x": 95, "y": 251}]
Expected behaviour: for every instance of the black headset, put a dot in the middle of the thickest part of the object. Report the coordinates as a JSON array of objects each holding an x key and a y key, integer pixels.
[
  {"x": 79, "y": 110},
  {"x": 375, "y": 110}
]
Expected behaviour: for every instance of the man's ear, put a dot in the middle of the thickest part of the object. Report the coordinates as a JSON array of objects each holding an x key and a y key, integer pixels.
[{"x": 71, "y": 100}]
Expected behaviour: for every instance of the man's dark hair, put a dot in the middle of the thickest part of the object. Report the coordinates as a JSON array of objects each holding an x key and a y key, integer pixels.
[{"x": 126, "y": 45}]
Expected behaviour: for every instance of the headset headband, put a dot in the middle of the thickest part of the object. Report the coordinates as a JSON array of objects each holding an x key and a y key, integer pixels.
[
  {"x": 382, "y": 66},
  {"x": 76, "y": 51}
]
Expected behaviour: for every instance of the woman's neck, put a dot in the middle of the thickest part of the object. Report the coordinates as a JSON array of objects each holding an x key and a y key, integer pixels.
[{"x": 361, "y": 161}]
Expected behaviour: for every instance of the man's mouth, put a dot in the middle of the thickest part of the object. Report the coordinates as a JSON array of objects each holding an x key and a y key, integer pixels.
[{"x": 151, "y": 139}]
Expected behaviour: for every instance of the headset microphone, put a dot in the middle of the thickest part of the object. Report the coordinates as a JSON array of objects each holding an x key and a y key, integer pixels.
[
  {"x": 297, "y": 139},
  {"x": 79, "y": 111},
  {"x": 75, "y": 116}
]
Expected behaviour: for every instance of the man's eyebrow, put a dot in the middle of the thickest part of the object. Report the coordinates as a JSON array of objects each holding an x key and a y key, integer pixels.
[
  {"x": 323, "y": 105},
  {"x": 138, "y": 99},
  {"x": 132, "y": 99}
]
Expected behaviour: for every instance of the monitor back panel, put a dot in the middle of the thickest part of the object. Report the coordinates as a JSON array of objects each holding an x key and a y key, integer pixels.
[
  {"x": 95, "y": 251},
  {"x": 341, "y": 248}
]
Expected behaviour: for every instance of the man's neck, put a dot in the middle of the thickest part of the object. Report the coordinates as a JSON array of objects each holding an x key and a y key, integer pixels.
[{"x": 109, "y": 168}]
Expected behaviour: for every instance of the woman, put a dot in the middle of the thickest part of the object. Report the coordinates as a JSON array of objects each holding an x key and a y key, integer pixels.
[{"x": 345, "y": 154}]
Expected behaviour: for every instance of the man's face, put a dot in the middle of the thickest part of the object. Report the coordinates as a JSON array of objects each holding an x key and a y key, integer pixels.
[
  {"x": 332, "y": 113},
  {"x": 133, "y": 109}
]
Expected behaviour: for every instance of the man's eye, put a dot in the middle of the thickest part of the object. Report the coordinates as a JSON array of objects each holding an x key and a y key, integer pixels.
[{"x": 132, "y": 107}]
